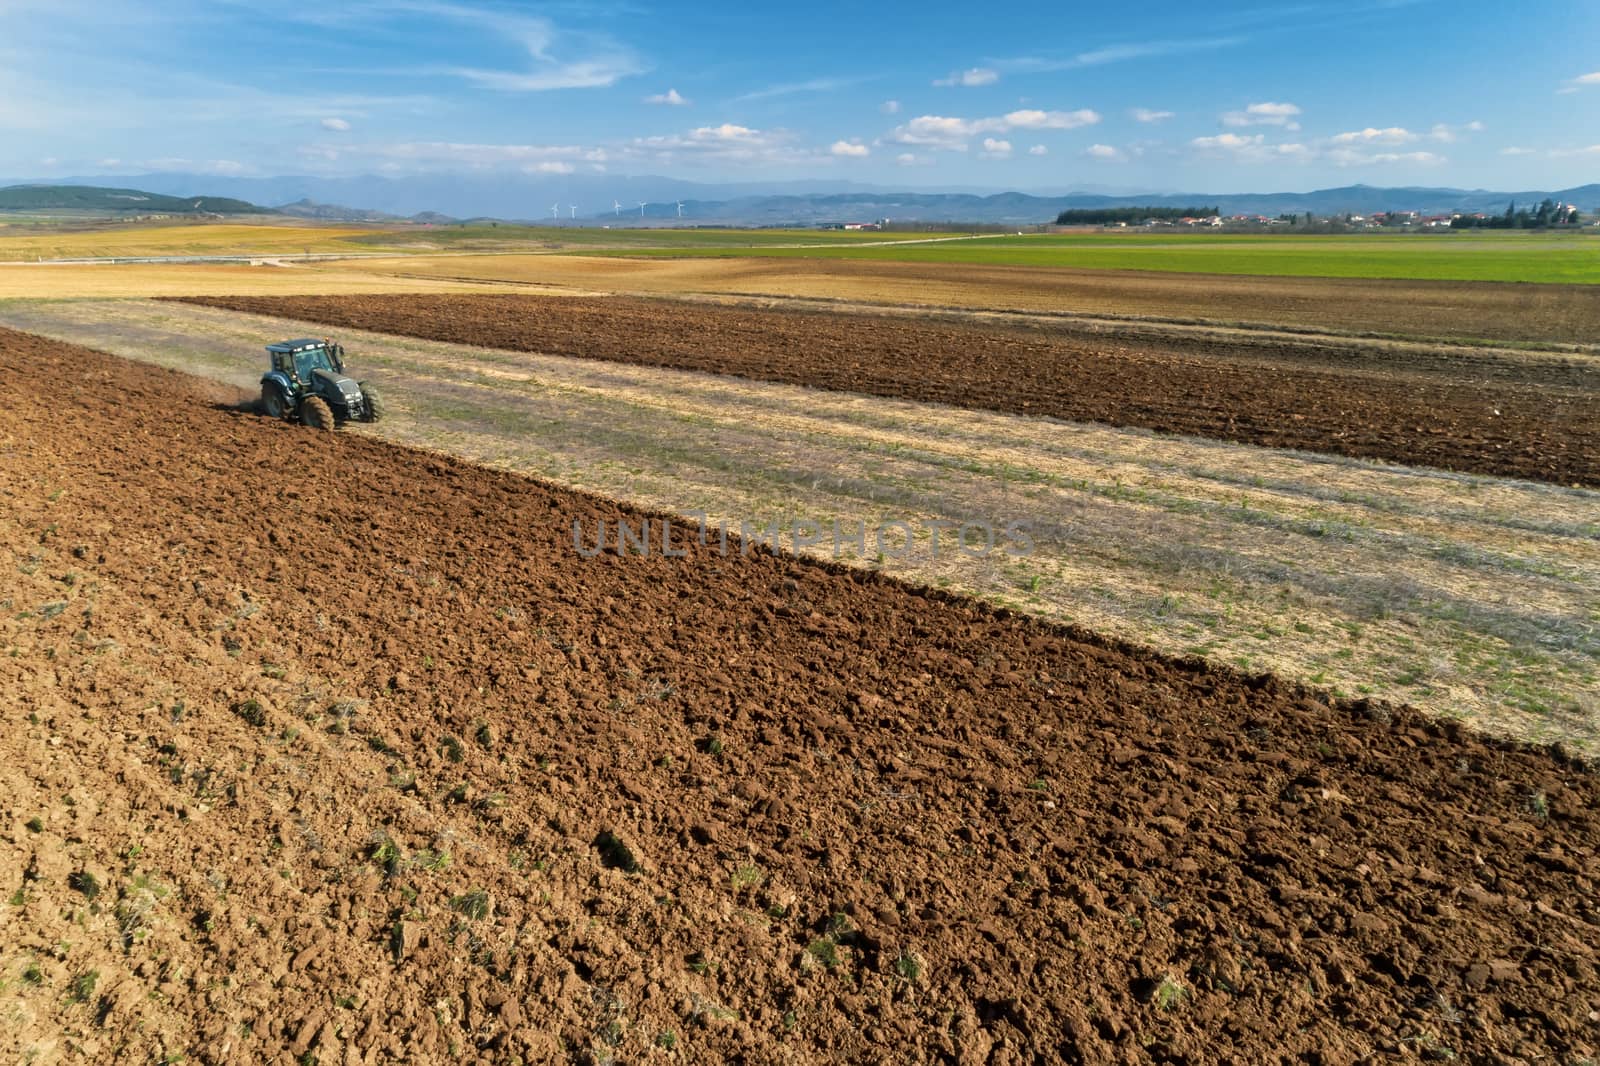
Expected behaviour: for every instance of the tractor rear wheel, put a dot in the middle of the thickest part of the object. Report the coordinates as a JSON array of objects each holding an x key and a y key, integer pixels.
[
  {"x": 372, "y": 401},
  {"x": 316, "y": 413},
  {"x": 274, "y": 403}
]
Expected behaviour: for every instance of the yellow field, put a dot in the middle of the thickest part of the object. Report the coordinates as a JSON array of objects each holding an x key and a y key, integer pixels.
[
  {"x": 186, "y": 239},
  {"x": 72, "y": 281}
]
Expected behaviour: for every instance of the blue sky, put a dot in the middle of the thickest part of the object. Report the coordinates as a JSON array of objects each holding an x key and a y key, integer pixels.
[{"x": 1159, "y": 95}]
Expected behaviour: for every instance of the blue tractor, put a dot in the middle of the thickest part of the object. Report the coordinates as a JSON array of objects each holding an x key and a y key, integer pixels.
[{"x": 307, "y": 384}]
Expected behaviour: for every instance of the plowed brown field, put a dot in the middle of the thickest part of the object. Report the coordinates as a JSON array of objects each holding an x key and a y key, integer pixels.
[
  {"x": 320, "y": 747},
  {"x": 1535, "y": 417}
]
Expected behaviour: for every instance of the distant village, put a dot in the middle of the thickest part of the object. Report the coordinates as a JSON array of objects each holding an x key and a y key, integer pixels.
[{"x": 1547, "y": 214}]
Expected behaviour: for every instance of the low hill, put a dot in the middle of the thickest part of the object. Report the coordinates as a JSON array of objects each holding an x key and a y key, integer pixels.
[{"x": 119, "y": 201}]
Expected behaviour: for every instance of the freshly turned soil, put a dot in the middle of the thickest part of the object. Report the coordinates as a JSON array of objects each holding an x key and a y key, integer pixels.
[{"x": 754, "y": 808}]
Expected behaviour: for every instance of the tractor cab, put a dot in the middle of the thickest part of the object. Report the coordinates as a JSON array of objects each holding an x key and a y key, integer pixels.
[
  {"x": 307, "y": 383},
  {"x": 301, "y": 359}
]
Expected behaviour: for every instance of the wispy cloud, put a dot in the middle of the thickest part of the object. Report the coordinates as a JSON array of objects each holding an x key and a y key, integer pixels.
[
  {"x": 1145, "y": 114},
  {"x": 557, "y": 58},
  {"x": 1114, "y": 53},
  {"x": 970, "y": 79},
  {"x": 1447, "y": 134},
  {"x": 1346, "y": 157},
  {"x": 534, "y": 158},
  {"x": 671, "y": 98},
  {"x": 814, "y": 85},
  {"x": 336, "y": 125}
]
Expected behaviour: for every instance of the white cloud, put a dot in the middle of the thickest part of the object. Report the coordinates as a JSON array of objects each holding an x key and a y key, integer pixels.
[
  {"x": 936, "y": 130},
  {"x": 849, "y": 149},
  {"x": 995, "y": 149},
  {"x": 1518, "y": 151},
  {"x": 1233, "y": 142},
  {"x": 725, "y": 132},
  {"x": 1049, "y": 120},
  {"x": 1388, "y": 135},
  {"x": 970, "y": 79},
  {"x": 1038, "y": 149},
  {"x": 551, "y": 167},
  {"x": 1145, "y": 114},
  {"x": 911, "y": 159},
  {"x": 1582, "y": 80},
  {"x": 941, "y": 131},
  {"x": 1105, "y": 153},
  {"x": 1264, "y": 114},
  {"x": 890, "y": 107},
  {"x": 729, "y": 142},
  {"x": 337, "y": 125},
  {"x": 670, "y": 98}
]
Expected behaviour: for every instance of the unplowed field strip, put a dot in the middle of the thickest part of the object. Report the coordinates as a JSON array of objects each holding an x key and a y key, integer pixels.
[
  {"x": 493, "y": 798},
  {"x": 1534, "y": 417}
]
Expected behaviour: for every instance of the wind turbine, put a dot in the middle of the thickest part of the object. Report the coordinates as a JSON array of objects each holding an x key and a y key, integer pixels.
[
  {"x": 555, "y": 210},
  {"x": 641, "y": 208},
  {"x": 680, "y": 208},
  {"x": 616, "y": 207}
]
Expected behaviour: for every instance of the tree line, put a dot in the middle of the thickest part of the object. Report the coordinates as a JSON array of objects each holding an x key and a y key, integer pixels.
[
  {"x": 1547, "y": 214},
  {"x": 1102, "y": 216}
]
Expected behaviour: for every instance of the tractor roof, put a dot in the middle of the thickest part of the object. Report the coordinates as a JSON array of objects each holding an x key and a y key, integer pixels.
[{"x": 296, "y": 346}]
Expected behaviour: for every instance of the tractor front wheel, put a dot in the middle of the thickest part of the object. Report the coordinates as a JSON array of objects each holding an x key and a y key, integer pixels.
[
  {"x": 372, "y": 402},
  {"x": 316, "y": 413},
  {"x": 274, "y": 403}
]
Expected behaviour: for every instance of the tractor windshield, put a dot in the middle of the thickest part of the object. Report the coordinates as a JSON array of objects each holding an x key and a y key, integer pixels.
[{"x": 311, "y": 359}]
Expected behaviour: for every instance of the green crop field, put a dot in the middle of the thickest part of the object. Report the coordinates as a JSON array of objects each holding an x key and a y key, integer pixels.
[
  {"x": 624, "y": 237},
  {"x": 1525, "y": 257}
]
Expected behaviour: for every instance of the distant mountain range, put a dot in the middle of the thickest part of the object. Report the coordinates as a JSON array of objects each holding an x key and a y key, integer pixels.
[
  {"x": 603, "y": 199},
  {"x": 119, "y": 201}
]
